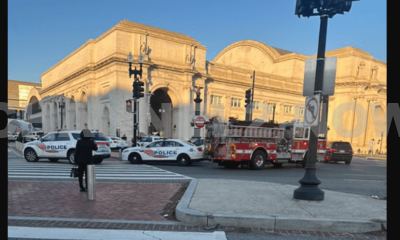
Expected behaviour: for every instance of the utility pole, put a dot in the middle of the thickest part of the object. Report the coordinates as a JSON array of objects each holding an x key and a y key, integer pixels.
[{"x": 252, "y": 97}]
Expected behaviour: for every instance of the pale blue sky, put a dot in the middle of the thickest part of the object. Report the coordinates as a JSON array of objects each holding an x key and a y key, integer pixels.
[{"x": 43, "y": 32}]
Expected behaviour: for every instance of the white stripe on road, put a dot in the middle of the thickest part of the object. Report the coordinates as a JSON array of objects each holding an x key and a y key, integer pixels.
[{"x": 107, "y": 172}]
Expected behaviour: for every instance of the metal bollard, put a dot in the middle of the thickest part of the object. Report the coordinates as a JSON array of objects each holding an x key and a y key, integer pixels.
[{"x": 91, "y": 181}]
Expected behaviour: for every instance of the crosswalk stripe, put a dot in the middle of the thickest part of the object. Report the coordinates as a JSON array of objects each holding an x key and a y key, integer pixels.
[{"x": 103, "y": 172}]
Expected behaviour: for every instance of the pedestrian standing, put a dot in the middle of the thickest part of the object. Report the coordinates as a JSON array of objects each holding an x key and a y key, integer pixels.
[
  {"x": 124, "y": 137},
  {"x": 371, "y": 147},
  {"x": 83, "y": 155}
]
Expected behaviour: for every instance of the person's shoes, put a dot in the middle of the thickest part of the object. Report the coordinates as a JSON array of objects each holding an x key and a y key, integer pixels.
[{"x": 83, "y": 190}]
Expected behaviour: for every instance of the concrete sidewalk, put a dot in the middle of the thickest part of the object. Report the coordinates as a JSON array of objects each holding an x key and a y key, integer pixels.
[
  {"x": 381, "y": 157},
  {"x": 270, "y": 205}
]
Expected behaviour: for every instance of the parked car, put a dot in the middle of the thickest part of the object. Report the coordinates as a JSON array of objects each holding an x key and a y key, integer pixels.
[
  {"x": 182, "y": 152},
  {"x": 198, "y": 142},
  {"x": 144, "y": 141},
  {"x": 32, "y": 136},
  {"x": 117, "y": 143},
  {"x": 338, "y": 151},
  {"x": 12, "y": 137},
  {"x": 61, "y": 145}
]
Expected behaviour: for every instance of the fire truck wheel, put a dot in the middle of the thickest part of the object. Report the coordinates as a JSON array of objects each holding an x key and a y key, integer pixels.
[
  {"x": 277, "y": 164},
  {"x": 258, "y": 160},
  {"x": 183, "y": 160}
]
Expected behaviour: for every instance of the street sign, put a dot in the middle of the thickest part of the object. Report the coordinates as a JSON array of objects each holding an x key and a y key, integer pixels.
[
  {"x": 199, "y": 122},
  {"x": 311, "y": 114},
  {"x": 328, "y": 83}
]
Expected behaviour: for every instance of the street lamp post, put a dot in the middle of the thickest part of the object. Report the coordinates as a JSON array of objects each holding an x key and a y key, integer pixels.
[
  {"x": 135, "y": 74},
  {"x": 61, "y": 105},
  {"x": 197, "y": 100},
  {"x": 309, "y": 183},
  {"x": 161, "y": 111}
]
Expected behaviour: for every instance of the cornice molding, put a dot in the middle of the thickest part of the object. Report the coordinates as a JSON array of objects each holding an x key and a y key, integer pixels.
[{"x": 351, "y": 84}]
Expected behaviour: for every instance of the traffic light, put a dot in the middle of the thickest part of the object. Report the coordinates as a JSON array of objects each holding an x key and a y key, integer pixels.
[
  {"x": 306, "y": 8},
  {"x": 140, "y": 89},
  {"x": 129, "y": 105},
  {"x": 135, "y": 89},
  {"x": 248, "y": 97}
]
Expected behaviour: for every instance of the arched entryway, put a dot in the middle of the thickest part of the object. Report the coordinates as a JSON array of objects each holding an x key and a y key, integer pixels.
[
  {"x": 34, "y": 113},
  {"x": 161, "y": 104}
]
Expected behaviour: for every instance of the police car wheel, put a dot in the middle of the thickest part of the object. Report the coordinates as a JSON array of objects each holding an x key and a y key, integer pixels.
[
  {"x": 183, "y": 160},
  {"x": 71, "y": 156},
  {"x": 135, "y": 158},
  {"x": 258, "y": 160},
  {"x": 53, "y": 159},
  {"x": 30, "y": 155}
]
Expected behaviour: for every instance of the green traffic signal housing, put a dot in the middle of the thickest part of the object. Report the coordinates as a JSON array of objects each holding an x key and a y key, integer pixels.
[
  {"x": 248, "y": 96},
  {"x": 140, "y": 89}
]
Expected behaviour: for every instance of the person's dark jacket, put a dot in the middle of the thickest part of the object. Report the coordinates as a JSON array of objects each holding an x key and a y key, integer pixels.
[
  {"x": 84, "y": 147},
  {"x": 19, "y": 137}
]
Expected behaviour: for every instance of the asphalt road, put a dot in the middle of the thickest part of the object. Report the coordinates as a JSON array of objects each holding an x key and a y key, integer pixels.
[{"x": 363, "y": 176}]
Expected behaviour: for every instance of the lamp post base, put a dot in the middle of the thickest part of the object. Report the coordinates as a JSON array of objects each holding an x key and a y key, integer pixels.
[
  {"x": 309, "y": 192},
  {"x": 308, "y": 189}
]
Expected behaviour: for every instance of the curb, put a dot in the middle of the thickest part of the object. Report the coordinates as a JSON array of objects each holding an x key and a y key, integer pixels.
[
  {"x": 371, "y": 158},
  {"x": 196, "y": 217}
]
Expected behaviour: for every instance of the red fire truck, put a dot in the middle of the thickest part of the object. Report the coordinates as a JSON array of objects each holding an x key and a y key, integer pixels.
[{"x": 254, "y": 144}]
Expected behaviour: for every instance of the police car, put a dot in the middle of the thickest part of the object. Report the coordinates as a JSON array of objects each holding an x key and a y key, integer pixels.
[
  {"x": 116, "y": 143},
  {"x": 61, "y": 145},
  {"x": 184, "y": 153}
]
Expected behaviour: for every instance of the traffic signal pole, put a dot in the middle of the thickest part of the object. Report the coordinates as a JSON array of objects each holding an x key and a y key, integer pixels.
[
  {"x": 309, "y": 183},
  {"x": 252, "y": 97},
  {"x": 134, "y": 122},
  {"x": 308, "y": 189},
  {"x": 137, "y": 91}
]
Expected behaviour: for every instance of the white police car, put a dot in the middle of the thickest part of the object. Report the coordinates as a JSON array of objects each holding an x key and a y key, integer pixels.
[
  {"x": 147, "y": 140},
  {"x": 61, "y": 145},
  {"x": 184, "y": 153},
  {"x": 116, "y": 143}
]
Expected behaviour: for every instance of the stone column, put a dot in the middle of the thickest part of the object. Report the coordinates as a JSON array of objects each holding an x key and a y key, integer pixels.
[{"x": 227, "y": 108}]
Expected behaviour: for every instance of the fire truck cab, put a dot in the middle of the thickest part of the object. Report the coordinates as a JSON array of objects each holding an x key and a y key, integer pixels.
[{"x": 254, "y": 144}]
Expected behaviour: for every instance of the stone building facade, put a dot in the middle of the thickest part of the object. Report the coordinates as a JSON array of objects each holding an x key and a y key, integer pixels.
[
  {"x": 94, "y": 83},
  {"x": 20, "y": 97}
]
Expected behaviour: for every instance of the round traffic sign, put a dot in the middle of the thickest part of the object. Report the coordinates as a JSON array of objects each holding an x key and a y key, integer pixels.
[
  {"x": 199, "y": 122},
  {"x": 311, "y": 111}
]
